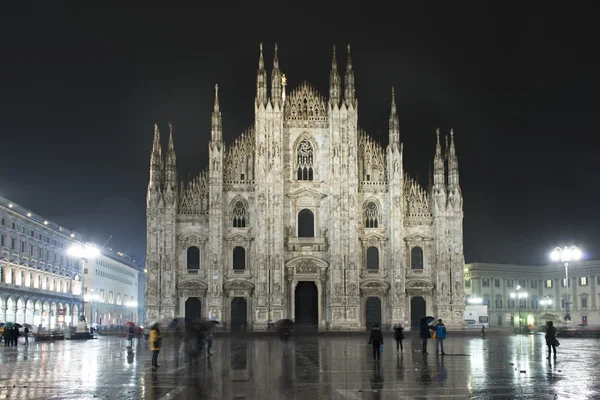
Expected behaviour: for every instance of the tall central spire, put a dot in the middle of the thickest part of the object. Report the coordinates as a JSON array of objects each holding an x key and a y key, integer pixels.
[
  {"x": 438, "y": 164},
  {"x": 394, "y": 124},
  {"x": 216, "y": 132},
  {"x": 261, "y": 80},
  {"x": 276, "y": 80},
  {"x": 335, "y": 85},
  {"x": 349, "y": 81}
]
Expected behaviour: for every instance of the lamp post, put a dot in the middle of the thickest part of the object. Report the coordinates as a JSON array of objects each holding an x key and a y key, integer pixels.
[
  {"x": 519, "y": 295},
  {"x": 566, "y": 255},
  {"x": 83, "y": 251}
]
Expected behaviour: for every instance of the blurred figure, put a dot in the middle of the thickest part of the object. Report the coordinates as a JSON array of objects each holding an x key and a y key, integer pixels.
[
  {"x": 130, "y": 335},
  {"x": 209, "y": 341},
  {"x": 424, "y": 334},
  {"x": 551, "y": 341},
  {"x": 155, "y": 344},
  {"x": 376, "y": 340},
  {"x": 26, "y": 335},
  {"x": 178, "y": 339},
  {"x": 194, "y": 343},
  {"x": 284, "y": 328},
  {"x": 399, "y": 337}
]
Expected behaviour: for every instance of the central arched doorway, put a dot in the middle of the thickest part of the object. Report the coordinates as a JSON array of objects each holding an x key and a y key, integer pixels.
[
  {"x": 417, "y": 310},
  {"x": 193, "y": 308},
  {"x": 306, "y": 305},
  {"x": 373, "y": 312},
  {"x": 239, "y": 314}
]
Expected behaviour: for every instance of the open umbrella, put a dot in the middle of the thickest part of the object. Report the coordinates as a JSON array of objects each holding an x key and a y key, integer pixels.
[
  {"x": 18, "y": 325},
  {"x": 8, "y": 325},
  {"x": 28, "y": 326},
  {"x": 428, "y": 320},
  {"x": 176, "y": 322},
  {"x": 129, "y": 323}
]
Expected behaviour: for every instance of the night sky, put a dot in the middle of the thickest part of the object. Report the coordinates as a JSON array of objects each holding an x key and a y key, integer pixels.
[{"x": 80, "y": 91}]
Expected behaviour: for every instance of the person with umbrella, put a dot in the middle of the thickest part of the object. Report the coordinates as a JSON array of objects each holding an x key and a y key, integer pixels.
[
  {"x": 376, "y": 340},
  {"x": 424, "y": 331},
  {"x": 399, "y": 337}
]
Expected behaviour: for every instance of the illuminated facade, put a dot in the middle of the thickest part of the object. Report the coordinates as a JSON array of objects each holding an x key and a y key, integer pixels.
[
  {"x": 305, "y": 216},
  {"x": 110, "y": 288},
  {"x": 492, "y": 285},
  {"x": 39, "y": 283}
]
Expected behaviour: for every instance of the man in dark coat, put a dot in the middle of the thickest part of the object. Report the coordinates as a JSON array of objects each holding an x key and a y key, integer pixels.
[
  {"x": 424, "y": 334},
  {"x": 551, "y": 338},
  {"x": 376, "y": 340}
]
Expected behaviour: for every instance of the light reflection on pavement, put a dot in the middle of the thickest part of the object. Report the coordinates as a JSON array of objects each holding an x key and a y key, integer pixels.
[{"x": 312, "y": 367}]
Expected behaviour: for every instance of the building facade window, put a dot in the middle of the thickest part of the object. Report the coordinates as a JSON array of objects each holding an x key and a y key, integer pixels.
[
  {"x": 485, "y": 282},
  {"x": 497, "y": 283},
  {"x": 306, "y": 223},
  {"x": 239, "y": 258},
  {"x": 416, "y": 258},
  {"x": 584, "y": 302},
  {"x": 510, "y": 283},
  {"x": 534, "y": 284},
  {"x": 371, "y": 216},
  {"x": 563, "y": 283},
  {"x": 305, "y": 159},
  {"x": 373, "y": 258},
  {"x": 583, "y": 281},
  {"x": 548, "y": 283},
  {"x": 193, "y": 258},
  {"x": 468, "y": 283},
  {"x": 239, "y": 214}
]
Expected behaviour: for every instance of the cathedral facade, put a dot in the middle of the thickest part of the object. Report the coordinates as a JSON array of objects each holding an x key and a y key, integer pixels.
[{"x": 305, "y": 216}]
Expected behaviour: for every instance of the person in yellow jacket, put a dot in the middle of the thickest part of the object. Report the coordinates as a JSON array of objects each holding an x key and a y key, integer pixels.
[{"x": 155, "y": 344}]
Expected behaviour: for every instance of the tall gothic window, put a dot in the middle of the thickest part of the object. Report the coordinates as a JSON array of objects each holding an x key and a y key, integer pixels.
[
  {"x": 416, "y": 258},
  {"x": 306, "y": 223},
  {"x": 371, "y": 215},
  {"x": 239, "y": 258},
  {"x": 239, "y": 214},
  {"x": 305, "y": 161},
  {"x": 193, "y": 258},
  {"x": 372, "y": 258}
]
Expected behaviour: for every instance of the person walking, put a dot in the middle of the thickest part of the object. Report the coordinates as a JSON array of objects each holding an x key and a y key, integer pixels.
[
  {"x": 551, "y": 341},
  {"x": 155, "y": 344},
  {"x": 376, "y": 340},
  {"x": 130, "y": 335},
  {"x": 440, "y": 335},
  {"x": 26, "y": 335},
  {"x": 399, "y": 337},
  {"x": 424, "y": 334},
  {"x": 209, "y": 341}
]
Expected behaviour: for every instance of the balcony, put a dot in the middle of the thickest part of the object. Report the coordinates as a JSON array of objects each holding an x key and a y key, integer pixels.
[
  {"x": 372, "y": 274},
  {"x": 307, "y": 244}
]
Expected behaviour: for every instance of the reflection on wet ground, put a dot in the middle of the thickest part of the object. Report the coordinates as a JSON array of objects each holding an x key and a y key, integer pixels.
[{"x": 304, "y": 368}]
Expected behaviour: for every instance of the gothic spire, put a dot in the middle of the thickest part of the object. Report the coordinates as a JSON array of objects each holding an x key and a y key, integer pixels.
[
  {"x": 156, "y": 160},
  {"x": 261, "y": 80},
  {"x": 394, "y": 124},
  {"x": 349, "y": 81},
  {"x": 334, "y": 82},
  {"x": 171, "y": 161},
  {"x": 438, "y": 163},
  {"x": 216, "y": 132},
  {"x": 276, "y": 80},
  {"x": 452, "y": 163}
]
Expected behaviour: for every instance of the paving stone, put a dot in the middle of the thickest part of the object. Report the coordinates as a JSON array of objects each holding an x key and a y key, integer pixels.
[{"x": 307, "y": 367}]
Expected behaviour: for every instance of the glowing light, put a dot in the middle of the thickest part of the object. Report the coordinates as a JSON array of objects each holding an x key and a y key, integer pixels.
[
  {"x": 87, "y": 250},
  {"x": 566, "y": 254},
  {"x": 72, "y": 235},
  {"x": 29, "y": 214},
  {"x": 10, "y": 205},
  {"x": 45, "y": 222}
]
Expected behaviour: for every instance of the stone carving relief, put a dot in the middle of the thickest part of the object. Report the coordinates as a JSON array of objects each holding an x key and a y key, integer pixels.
[
  {"x": 305, "y": 104},
  {"x": 192, "y": 289},
  {"x": 191, "y": 240},
  {"x": 306, "y": 268},
  {"x": 352, "y": 289},
  {"x": 239, "y": 157}
]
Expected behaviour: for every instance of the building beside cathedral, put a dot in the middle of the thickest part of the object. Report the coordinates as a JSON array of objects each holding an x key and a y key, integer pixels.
[{"x": 305, "y": 216}]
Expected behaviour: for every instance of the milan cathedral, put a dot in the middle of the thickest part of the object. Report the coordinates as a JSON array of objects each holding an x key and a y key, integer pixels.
[{"x": 305, "y": 216}]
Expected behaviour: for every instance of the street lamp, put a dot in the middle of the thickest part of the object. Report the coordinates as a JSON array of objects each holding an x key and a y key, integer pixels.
[
  {"x": 519, "y": 295},
  {"x": 566, "y": 255},
  {"x": 83, "y": 251}
]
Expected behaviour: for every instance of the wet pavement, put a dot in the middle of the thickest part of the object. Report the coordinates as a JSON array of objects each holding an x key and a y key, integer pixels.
[{"x": 339, "y": 367}]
